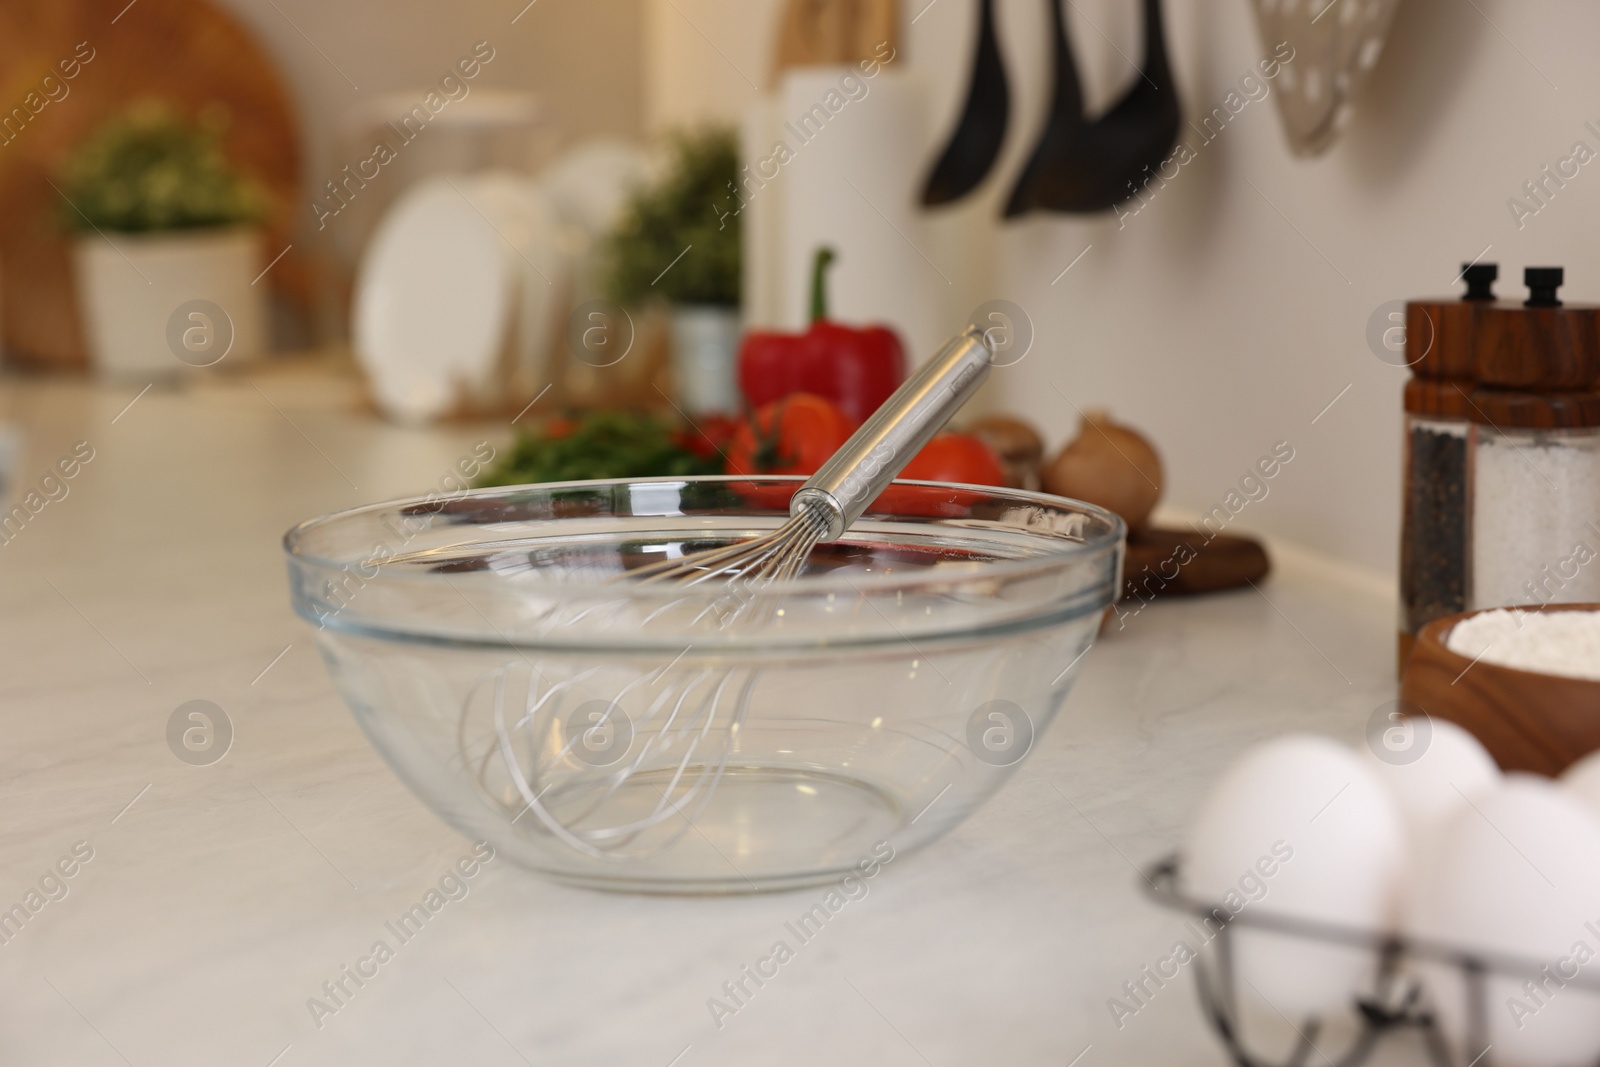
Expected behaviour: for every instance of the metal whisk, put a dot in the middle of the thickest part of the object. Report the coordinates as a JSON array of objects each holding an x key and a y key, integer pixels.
[
  {"x": 832, "y": 499},
  {"x": 691, "y": 715}
]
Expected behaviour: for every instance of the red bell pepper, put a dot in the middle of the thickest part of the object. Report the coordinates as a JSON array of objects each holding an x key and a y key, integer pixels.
[{"x": 857, "y": 369}]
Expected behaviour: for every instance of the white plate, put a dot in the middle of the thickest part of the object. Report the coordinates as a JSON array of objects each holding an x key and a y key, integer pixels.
[{"x": 433, "y": 302}]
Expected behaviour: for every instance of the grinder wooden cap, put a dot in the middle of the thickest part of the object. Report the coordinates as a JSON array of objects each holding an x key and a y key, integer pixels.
[
  {"x": 1512, "y": 409},
  {"x": 1540, "y": 344},
  {"x": 1439, "y": 332},
  {"x": 1441, "y": 398}
]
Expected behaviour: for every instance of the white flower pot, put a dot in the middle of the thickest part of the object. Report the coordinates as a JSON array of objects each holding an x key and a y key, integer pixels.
[
  {"x": 705, "y": 344},
  {"x": 153, "y": 304}
]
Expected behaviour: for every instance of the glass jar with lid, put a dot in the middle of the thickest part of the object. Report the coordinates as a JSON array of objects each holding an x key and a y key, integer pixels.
[{"x": 1535, "y": 531}]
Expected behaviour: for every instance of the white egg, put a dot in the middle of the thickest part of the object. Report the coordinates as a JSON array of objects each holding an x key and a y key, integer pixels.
[
  {"x": 1582, "y": 780},
  {"x": 1431, "y": 768},
  {"x": 1517, "y": 872},
  {"x": 1300, "y": 826}
]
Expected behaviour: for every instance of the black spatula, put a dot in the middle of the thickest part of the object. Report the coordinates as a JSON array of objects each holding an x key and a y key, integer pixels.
[
  {"x": 1135, "y": 137},
  {"x": 1059, "y": 170},
  {"x": 975, "y": 144},
  {"x": 1106, "y": 161}
]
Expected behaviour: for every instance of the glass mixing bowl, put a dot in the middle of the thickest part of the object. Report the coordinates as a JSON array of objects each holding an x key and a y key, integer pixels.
[{"x": 715, "y": 737}]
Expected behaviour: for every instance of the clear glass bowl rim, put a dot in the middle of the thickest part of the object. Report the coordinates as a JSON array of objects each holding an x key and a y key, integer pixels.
[{"x": 1114, "y": 534}]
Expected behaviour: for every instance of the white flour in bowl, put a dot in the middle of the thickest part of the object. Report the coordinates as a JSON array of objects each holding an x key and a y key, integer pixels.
[{"x": 1549, "y": 642}]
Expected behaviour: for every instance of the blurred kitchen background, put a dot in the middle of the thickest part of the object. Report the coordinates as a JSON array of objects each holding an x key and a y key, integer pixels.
[{"x": 1223, "y": 311}]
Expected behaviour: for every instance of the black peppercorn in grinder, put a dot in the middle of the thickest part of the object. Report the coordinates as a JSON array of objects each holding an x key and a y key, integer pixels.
[{"x": 1435, "y": 548}]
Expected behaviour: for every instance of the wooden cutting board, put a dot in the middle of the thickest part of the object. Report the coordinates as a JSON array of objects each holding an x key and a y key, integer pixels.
[
  {"x": 1154, "y": 567},
  {"x": 185, "y": 52}
]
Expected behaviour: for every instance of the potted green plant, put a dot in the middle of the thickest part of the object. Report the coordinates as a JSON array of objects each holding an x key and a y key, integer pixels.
[
  {"x": 678, "y": 243},
  {"x": 168, "y": 243}
]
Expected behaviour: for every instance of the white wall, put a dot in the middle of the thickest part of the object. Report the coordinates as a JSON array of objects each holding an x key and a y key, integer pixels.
[
  {"x": 1224, "y": 318},
  {"x": 581, "y": 57}
]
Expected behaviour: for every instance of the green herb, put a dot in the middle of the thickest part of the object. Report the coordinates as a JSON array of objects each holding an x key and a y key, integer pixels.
[
  {"x": 692, "y": 207},
  {"x": 608, "y": 444},
  {"x": 149, "y": 169}
]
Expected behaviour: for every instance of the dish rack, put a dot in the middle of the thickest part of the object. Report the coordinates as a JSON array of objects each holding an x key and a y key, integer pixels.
[{"x": 1395, "y": 1004}]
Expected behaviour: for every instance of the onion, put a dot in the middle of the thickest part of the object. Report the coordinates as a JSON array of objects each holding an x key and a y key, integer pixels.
[
  {"x": 1018, "y": 445},
  {"x": 1110, "y": 465}
]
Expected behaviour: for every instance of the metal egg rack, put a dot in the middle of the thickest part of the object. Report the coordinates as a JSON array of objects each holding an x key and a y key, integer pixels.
[{"x": 1396, "y": 1002}]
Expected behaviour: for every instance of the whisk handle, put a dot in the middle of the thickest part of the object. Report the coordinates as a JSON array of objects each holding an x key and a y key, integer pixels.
[{"x": 863, "y": 467}]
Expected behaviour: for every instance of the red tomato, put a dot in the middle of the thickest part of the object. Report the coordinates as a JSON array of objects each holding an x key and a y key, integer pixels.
[
  {"x": 710, "y": 434},
  {"x": 795, "y": 435},
  {"x": 559, "y": 426},
  {"x": 956, "y": 457},
  {"x": 949, "y": 457}
]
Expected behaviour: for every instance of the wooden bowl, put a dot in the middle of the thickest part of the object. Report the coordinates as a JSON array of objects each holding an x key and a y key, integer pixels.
[{"x": 1542, "y": 723}]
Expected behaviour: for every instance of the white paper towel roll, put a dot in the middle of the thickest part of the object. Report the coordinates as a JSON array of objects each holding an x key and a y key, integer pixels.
[
  {"x": 761, "y": 243},
  {"x": 839, "y": 165}
]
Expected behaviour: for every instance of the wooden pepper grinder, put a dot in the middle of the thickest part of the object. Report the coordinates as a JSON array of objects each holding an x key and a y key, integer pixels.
[{"x": 1439, "y": 331}]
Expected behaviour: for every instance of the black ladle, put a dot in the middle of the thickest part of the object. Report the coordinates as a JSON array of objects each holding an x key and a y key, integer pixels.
[
  {"x": 1058, "y": 170},
  {"x": 975, "y": 144},
  {"x": 1114, "y": 156}
]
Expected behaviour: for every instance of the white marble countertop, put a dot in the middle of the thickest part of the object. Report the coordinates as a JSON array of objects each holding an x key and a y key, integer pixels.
[{"x": 220, "y": 898}]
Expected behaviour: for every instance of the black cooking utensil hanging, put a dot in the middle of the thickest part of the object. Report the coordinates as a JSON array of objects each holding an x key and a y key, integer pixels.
[
  {"x": 1110, "y": 159},
  {"x": 1136, "y": 136},
  {"x": 1058, "y": 169},
  {"x": 975, "y": 144}
]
